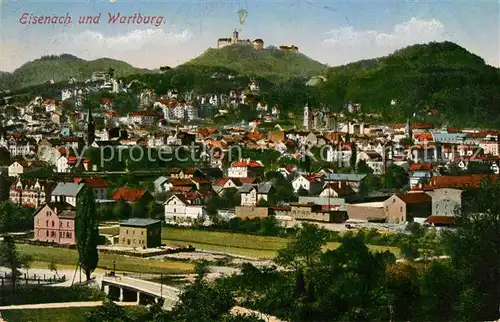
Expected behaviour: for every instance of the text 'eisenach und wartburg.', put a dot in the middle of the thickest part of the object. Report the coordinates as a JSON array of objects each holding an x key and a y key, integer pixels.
[{"x": 28, "y": 18}]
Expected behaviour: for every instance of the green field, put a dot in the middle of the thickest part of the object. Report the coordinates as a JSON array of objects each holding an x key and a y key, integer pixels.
[
  {"x": 264, "y": 247},
  {"x": 70, "y": 314},
  {"x": 64, "y": 256}
]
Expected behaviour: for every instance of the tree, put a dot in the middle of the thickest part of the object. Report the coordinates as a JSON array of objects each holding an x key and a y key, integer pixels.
[
  {"x": 474, "y": 247},
  {"x": 9, "y": 257},
  {"x": 363, "y": 168},
  {"x": 53, "y": 268},
  {"x": 262, "y": 203},
  {"x": 87, "y": 232},
  {"x": 109, "y": 312},
  {"x": 4, "y": 187},
  {"x": 26, "y": 261},
  {"x": 396, "y": 177},
  {"x": 122, "y": 210},
  {"x": 305, "y": 247},
  {"x": 140, "y": 209},
  {"x": 354, "y": 156}
]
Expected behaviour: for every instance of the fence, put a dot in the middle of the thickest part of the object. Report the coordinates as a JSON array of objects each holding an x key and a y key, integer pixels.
[{"x": 34, "y": 279}]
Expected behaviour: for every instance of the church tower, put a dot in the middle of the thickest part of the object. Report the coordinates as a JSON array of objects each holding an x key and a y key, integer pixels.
[
  {"x": 234, "y": 40},
  {"x": 307, "y": 116},
  {"x": 408, "y": 131},
  {"x": 89, "y": 129}
]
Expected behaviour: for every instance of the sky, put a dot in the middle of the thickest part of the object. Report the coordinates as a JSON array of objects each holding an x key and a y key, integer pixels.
[{"x": 332, "y": 32}]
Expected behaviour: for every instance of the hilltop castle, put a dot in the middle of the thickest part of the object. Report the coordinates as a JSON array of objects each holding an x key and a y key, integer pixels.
[{"x": 258, "y": 44}]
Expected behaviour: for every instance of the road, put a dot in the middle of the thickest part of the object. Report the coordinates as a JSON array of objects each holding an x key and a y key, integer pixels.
[{"x": 60, "y": 305}]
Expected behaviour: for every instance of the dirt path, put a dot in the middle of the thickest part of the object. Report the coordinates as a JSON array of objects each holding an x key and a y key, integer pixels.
[{"x": 60, "y": 305}]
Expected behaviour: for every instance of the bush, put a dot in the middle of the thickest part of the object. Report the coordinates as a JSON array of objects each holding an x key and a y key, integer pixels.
[{"x": 50, "y": 294}]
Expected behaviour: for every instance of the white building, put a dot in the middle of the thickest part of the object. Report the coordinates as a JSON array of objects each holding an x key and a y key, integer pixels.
[{"x": 179, "y": 211}]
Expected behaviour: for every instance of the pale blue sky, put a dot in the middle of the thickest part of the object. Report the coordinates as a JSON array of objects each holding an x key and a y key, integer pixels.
[{"x": 333, "y": 32}]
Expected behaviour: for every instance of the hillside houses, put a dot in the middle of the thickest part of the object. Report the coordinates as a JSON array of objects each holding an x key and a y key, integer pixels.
[{"x": 236, "y": 163}]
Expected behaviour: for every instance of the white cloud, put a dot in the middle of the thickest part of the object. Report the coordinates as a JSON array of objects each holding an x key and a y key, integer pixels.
[
  {"x": 134, "y": 40},
  {"x": 351, "y": 44},
  {"x": 145, "y": 48}
]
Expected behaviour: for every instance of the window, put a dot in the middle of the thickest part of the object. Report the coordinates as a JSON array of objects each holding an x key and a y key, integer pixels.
[
  {"x": 401, "y": 209},
  {"x": 53, "y": 223},
  {"x": 127, "y": 232},
  {"x": 142, "y": 233},
  {"x": 47, "y": 233},
  {"x": 67, "y": 224},
  {"x": 47, "y": 223},
  {"x": 52, "y": 234},
  {"x": 133, "y": 232}
]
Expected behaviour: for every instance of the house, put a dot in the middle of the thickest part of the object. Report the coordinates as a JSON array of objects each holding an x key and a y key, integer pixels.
[
  {"x": 132, "y": 195},
  {"x": 351, "y": 179},
  {"x": 177, "y": 173},
  {"x": 251, "y": 194},
  {"x": 67, "y": 192},
  {"x": 246, "y": 168},
  {"x": 20, "y": 167},
  {"x": 66, "y": 164},
  {"x": 30, "y": 193},
  {"x": 314, "y": 212},
  {"x": 446, "y": 201},
  {"x": 289, "y": 172},
  {"x": 310, "y": 183},
  {"x": 405, "y": 207},
  {"x": 143, "y": 118},
  {"x": 98, "y": 185},
  {"x": 140, "y": 232},
  {"x": 178, "y": 210},
  {"x": 420, "y": 174},
  {"x": 373, "y": 159},
  {"x": 55, "y": 223},
  {"x": 336, "y": 190},
  {"x": 160, "y": 184}
]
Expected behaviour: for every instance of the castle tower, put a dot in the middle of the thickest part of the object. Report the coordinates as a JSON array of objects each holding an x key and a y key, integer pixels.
[
  {"x": 234, "y": 40},
  {"x": 89, "y": 129},
  {"x": 307, "y": 116}
]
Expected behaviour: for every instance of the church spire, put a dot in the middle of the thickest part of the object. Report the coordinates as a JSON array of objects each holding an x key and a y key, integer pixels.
[
  {"x": 408, "y": 131},
  {"x": 89, "y": 128}
]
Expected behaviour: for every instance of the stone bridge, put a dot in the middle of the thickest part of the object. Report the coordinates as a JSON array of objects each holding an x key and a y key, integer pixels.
[{"x": 128, "y": 289}]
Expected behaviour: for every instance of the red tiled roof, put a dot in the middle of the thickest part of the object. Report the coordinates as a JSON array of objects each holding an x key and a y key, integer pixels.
[
  {"x": 181, "y": 182},
  {"x": 467, "y": 181},
  {"x": 128, "y": 194},
  {"x": 440, "y": 220},
  {"x": 221, "y": 182},
  {"x": 247, "y": 164},
  {"x": 420, "y": 167},
  {"x": 415, "y": 197},
  {"x": 93, "y": 182}
]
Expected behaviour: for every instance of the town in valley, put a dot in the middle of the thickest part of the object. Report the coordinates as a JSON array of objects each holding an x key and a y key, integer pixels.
[{"x": 252, "y": 184}]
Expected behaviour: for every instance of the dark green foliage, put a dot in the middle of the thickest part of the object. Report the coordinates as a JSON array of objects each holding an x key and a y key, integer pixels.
[
  {"x": 442, "y": 76},
  {"x": 61, "y": 68},
  {"x": 354, "y": 156},
  {"x": 14, "y": 217},
  {"x": 10, "y": 258},
  {"x": 396, "y": 177},
  {"x": 53, "y": 294},
  {"x": 475, "y": 251},
  {"x": 87, "y": 232},
  {"x": 271, "y": 62},
  {"x": 109, "y": 312}
]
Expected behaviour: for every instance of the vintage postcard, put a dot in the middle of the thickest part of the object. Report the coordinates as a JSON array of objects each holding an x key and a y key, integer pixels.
[{"x": 249, "y": 160}]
